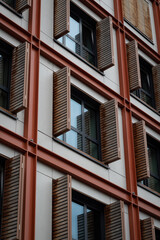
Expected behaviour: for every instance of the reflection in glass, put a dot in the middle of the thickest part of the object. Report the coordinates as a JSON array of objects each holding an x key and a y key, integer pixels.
[
  {"x": 152, "y": 153},
  {"x": 74, "y": 29},
  {"x": 77, "y": 222},
  {"x": 91, "y": 148},
  {"x": 10, "y": 2},
  {"x": 88, "y": 56},
  {"x": 146, "y": 98},
  {"x": 75, "y": 47},
  {"x": 87, "y": 37},
  {"x": 90, "y": 122},
  {"x": 146, "y": 85},
  {"x": 1, "y": 70},
  {"x": 74, "y": 139},
  {"x": 76, "y": 114},
  {"x": 3, "y": 99},
  {"x": 90, "y": 224}
]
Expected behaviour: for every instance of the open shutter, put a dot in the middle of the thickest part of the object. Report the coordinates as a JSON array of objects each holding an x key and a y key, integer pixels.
[
  {"x": 61, "y": 18},
  {"x": 13, "y": 198},
  {"x": 133, "y": 65},
  {"x": 61, "y": 101},
  {"x": 156, "y": 83},
  {"x": 147, "y": 229},
  {"x": 140, "y": 147},
  {"x": 62, "y": 208},
  {"x": 130, "y": 11},
  {"x": 110, "y": 143},
  {"x": 22, "y": 5},
  {"x": 114, "y": 221},
  {"x": 19, "y": 78},
  {"x": 104, "y": 37}
]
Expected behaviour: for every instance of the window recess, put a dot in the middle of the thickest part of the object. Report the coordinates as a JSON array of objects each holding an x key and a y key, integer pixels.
[
  {"x": 12, "y": 185},
  {"x": 18, "y": 5},
  {"x": 82, "y": 35},
  {"x": 144, "y": 79},
  {"x": 148, "y": 231},
  {"x": 77, "y": 117},
  {"x": 76, "y": 216},
  {"x": 14, "y": 74}
]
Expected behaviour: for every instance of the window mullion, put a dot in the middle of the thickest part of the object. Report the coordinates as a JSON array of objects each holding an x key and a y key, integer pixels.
[
  {"x": 83, "y": 128},
  {"x": 85, "y": 222},
  {"x": 81, "y": 41}
]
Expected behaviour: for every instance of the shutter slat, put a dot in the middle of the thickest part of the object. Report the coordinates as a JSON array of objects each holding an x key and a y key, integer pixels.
[
  {"x": 19, "y": 78},
  {"x": 156, "y": 83},
  {"x": 133, "y": 65},
  {"x": 61, "y": 18},
  {"x": 114, "y": 221},
  {"x": 61, "y": 210},
  {"x": 110, "y": 131},
  {"x": 147, "y": 229},
  {"x": 22, "y": 5},
  {"x": 104, "y": 37},
  {"x": 140, "y": 147},
  {"x": 13, "y": 199},
  {"x": 61, "y": 109}
]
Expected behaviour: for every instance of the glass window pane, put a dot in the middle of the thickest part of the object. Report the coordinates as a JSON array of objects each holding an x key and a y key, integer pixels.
[
  {"x": 3, "y": 99},
  {"x": 146, "y": 85},
  {"x": 152, "y": 153},
  {"x": 90, "y": 224},
  {"x": 146, "y": 98},
  {"x": 78, "y": 232},
  {"x": 88, "y": 56},
  {"x": 74, "y": 29},
  {"x": 87, "y": 37},
  {"x": 60, "y": 137},
  {"x": 76, "y": 114},
  {"x": 154, "y": 184},
  {"x": 90, "y": 122},
  {"x": 72, "y": 45},
  {"x": 60, "y": 40},
  {"x": 1, "y": 69},
  {"x": 74, "y": 139},
  {"x": 91, "y": 148},
  {"x": 9, "y": 2}
]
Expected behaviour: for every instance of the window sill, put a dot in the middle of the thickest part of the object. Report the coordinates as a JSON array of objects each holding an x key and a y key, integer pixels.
[
  {"x": 81, "y": 153},
  {"x": 10, "y": 9},
  {"x": 148, "y": 189},
  {"x": 7, "y": 113},
  {"x": 78, "y": 56},
  {"x": 144, "y": 103}
]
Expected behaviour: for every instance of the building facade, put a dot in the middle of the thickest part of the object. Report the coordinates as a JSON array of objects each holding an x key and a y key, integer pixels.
[{"x": 80, "y": 119}]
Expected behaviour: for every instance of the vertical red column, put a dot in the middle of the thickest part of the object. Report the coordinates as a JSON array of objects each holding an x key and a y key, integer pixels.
[
  {"x": 31, "y": 123},
  {"x": 156, "y": 12},
  {"x": 131, "y": 182}
]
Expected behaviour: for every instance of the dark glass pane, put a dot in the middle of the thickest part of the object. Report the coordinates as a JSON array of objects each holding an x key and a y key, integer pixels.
[
  {"x": 153, "y": 161},
  {"x": 90, "y": 122},
  {"x": 75, "y": 47},
  {"x": 146, "y": 81},
  {"x": 146, "y": 98},
  {"x": 89, "y": 57},
  {"x": 87, "y": 37},
  {"x": 3, "y": 99},
  {"x": 157, "y": 232},
  {"x": 74, "y": 29},
  {"x": 90, "y": 224},
  {"x": 154, "y": 184},
  {"x": 91, "y": 148},
  {"x": 74, "y": 139},
  {"x": 10, "y": 2},
  {"x": 1, "y": 70},
  {"x": 76, "y": 114},
  {"x": 78, "y": 232}
]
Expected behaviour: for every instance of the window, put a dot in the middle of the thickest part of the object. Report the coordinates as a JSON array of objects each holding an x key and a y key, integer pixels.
[
  {"x": 153, "y": 181},
  {"x": 1, "y": 187},
  {"x": 148, "y": 230},
  {"x": 18, "y": 5},
  {"x": 146, "y": 92},
  {"x": 11, "y": 3},
  {"x": 157, "y": 232},
  {"x": 82, "y": 36},
  {"x": 84, "y": 134},
  {"x": 5, "y": 74}
]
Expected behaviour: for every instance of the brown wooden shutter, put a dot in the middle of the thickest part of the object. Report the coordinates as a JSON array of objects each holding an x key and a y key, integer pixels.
[
  {"x": 13, "y": 198},
  {"x": 156, "y": 83},
  {"x": 61, "y": 18},
  {"x": 104, "y": 37},
  {"x": 61, "y": 101},
  {"x": 133, "y": 65},
  {"x": 110, "y": 143},
  {"x": 130, "y": 11},
  {"x": 114, "y": 221},
  {"x": 147, "y": 229},
  {"x": 62, "y": 208},
  {"x": 22, "y": 5},
  {"x": 19, "y": 78},
  {"x": 140, "y": 147}
]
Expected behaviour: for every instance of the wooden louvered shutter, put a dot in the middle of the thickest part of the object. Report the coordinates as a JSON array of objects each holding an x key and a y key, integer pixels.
[
  {"x": 104, "y": 37},
  {"x": 130, "y": 11},
  {"x": 110, "y": 143},
  {"x": 19, "y": 78},
  {"x": 114, "y": 221},
  {"x": 147, "y": 229},
  {"x": 61, "y": 101},
  {"x": 133, "y": 66},
  {"x": 140, "y": 147},
  {"x": 61, "y": 18},
  {"x": 62, "y": 208},
  {"x": 13, "y": 198},
  {"x": 156, "y": 83},
  {"x": 22, "y": 5}
]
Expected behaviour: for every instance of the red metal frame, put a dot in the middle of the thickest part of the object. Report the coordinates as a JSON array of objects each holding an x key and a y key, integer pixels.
[{"x": 28, "y": 144}]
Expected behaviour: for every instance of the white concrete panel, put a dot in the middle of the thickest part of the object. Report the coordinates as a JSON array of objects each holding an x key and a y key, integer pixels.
[
  {"x": 45, "y": 141},
  {"x": 23, "y": 22},
  {"x": 149, "y": 196},
  {"x": 143, "y": 216},
  {"x": 7, "y": 122},
  {"x": 19, "y": 128},
  {"x": 8, "y": 38},
  {"x": 47, "y": 17},
  {"x": 108, "y": 5},
  {"x": 126, "y": 221},
  {"x": 43, "y": 228},
  {"x": 48, "y": 171},
  {"x": 6, "y": 151},
  {"x": 117, "y": 179},
  {"x": 20, "y": 116}
]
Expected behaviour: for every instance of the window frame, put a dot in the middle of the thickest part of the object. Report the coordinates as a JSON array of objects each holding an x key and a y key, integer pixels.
[
  {"x": 2, "y": 168},
  {"x": 88, "y": 22},
  {"x": 86, "y": 100}
]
